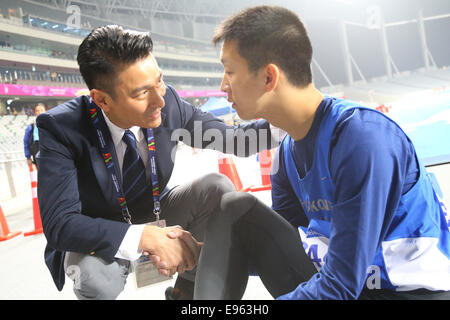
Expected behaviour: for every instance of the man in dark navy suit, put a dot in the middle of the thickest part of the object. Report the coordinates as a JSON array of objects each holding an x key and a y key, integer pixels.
[{"x": 95, "y": 222}]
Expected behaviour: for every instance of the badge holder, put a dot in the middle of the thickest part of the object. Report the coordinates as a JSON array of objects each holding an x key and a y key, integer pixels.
[{"x": 146, "y": 274}]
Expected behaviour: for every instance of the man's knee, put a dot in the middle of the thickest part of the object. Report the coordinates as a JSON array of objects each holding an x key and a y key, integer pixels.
[
  {"x": 236, "y": 203},
  {"x": 100, "y": 288},
  {"x": 232, "y": 206},
  {"x": 94, "y": 279},
  {"x": 217, "y": 183},
  {"x": 210, "y": 188}
]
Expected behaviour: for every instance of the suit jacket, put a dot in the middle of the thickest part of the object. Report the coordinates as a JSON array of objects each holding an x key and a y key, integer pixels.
[{"x": 78, "y": 206}]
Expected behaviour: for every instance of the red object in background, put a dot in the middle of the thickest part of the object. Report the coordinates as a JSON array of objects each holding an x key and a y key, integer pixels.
[
  {"x": 383, "y": 108},
  {"x": 265, "y": 163},
  {"x": 36, "y": 212},
  {"x": 228, "y": 168}
]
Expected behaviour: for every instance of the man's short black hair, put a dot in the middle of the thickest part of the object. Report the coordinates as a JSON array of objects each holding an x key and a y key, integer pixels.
[
  {"x": 106, "y": 50},
  {"x": 270, "y": 34}
]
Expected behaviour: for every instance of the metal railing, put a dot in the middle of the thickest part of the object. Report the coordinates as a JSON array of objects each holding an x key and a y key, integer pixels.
[{"x": 7, "y": 161}]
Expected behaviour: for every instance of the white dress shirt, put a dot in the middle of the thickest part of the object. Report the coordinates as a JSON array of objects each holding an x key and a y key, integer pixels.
[{"x": 128, "y": 248}]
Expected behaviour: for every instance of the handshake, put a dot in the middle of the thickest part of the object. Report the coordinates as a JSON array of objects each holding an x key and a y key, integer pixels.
[{"x": 171, "y": 249}]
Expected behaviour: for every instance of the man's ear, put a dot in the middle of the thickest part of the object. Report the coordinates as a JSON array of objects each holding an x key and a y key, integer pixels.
[
  {"x": 272, "y": 76},
  {"x": 101, "y": 99}
]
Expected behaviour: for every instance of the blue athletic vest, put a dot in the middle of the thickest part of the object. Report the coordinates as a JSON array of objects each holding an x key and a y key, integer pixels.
[{"x": 415, "y": 251}]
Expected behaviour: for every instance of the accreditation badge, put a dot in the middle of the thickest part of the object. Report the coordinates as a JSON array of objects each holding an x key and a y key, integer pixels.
[{"x": 146, "y": 273}]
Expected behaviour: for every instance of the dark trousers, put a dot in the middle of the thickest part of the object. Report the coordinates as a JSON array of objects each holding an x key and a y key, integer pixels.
[
  {"x": 245, "y": 232},
  {"x": 188, "y": 205}
]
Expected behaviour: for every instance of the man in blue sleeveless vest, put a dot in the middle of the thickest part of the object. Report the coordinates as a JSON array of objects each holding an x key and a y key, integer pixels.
[{"x": 361, "y": 217}]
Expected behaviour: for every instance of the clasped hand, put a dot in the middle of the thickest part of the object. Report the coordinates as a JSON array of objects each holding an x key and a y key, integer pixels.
[{"x": 171, "y": 249}]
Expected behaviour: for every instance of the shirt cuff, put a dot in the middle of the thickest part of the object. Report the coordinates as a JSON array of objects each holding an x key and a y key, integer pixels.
[{"x": 128, "y": 249}]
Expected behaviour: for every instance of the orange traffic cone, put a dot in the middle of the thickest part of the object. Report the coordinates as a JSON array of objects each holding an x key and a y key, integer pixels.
[
  {"x": 228, "y": 168},
  {"x": 265, "y": 163},
  {"x": 36, "y": 213},
  {"x": 5, "y": 234}
]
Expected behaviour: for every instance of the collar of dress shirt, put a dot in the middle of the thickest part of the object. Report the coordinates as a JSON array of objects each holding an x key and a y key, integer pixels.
[{"x": 117, "y": 132}]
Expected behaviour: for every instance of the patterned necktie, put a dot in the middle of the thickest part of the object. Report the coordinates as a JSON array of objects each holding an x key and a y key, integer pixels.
[{"x": 133, "y": 170}]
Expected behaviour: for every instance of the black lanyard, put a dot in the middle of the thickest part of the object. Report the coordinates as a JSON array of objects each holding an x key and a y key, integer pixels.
[{"x": 106, "y": 150}]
